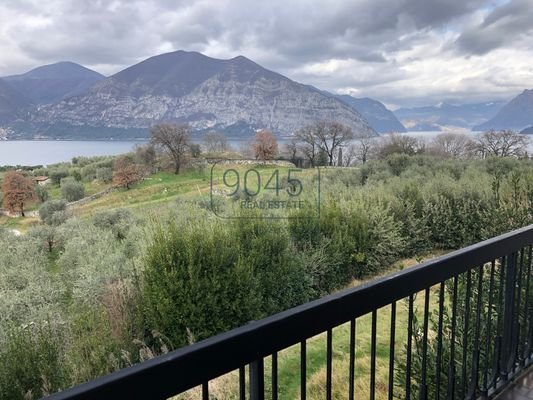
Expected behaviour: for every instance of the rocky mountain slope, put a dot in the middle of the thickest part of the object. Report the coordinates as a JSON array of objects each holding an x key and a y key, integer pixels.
[
  {"x": 11, "y": 102},
  {"x": 378, "y": 116},
  {"x": 235, "y": 95},
  {"x": 517, "y": 114},
  {"x": 54, "y": 82}
]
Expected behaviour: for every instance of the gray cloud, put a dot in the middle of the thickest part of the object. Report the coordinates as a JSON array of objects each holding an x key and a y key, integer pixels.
[
  {"x": 398, "y": 51},
  {"x": 505, "y": 26}
]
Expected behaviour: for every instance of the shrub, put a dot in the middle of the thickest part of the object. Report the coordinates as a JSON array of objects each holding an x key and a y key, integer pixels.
[
  {"x": 72, "y": 190},
  {"x": 117, "y": 221},
  {"x": 42, "y": 193},
  {"x": 194, "y": 283},
  {"x": 57, "y": 175},
  {"x": 31, "y": 363},
  {"x": 48, "y": 210},
  {"x": 104, "y": 174}
]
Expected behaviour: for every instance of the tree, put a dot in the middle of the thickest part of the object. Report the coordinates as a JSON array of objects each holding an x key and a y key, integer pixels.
[
  {"x": 125, "y": 172},
  {"x": 325, "y": 136},
  {"x": 104, "y": 174},
  {"x": 363, "y": 147},
  {"x": 454, "y": 145},
  {"x": 505, "y": 143},
  {"x": 18, "y": 191},
  {"x": 72, "y": 190},
  {"x": 400, "y": 144},
  {"x": 265, "y": 145},
  {"x": 146, "y": 155},
  {"x": 174, "y": 140},
  {"x": 215, "y": 142},
  {"x": 196, "y": 150},
  {"x": 290, "y": 149},
  {"x": 42, "y": 193},
  {"x": 53, "y": 212},
  {"x": 307, "y": 144}
]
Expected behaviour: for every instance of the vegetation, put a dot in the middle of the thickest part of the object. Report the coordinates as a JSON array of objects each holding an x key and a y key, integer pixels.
[{"x": 138, "y": 272}]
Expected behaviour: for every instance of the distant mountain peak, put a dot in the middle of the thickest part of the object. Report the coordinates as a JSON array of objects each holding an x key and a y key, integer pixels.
[
  {"x": 380, "y": 118},
  {"x": 517, "y": 114},
  {"x": 53, "y": 82}
]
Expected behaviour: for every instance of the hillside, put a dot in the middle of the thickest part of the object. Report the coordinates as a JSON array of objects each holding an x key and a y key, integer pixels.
[
  {"x": 517, "y": 114},
  {"x": 11, "y": 101},
  {"x": 54, "y": 82},
  {"x": 378, "y": 116},
  {"x": 235, "y": 95}
]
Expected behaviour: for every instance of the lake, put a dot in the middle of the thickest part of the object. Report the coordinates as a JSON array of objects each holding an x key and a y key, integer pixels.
[{"x": 45, "y": 152}]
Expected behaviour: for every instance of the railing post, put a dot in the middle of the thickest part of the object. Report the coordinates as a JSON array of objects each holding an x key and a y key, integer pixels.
[
  {"x": 509, "y": 318},
  {"x": 257, "y": 380}
]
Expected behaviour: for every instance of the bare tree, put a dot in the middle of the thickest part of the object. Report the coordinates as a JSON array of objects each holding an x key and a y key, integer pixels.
[
  {"x": 215, "y": 142},
  {"x": 505, "y": 143},
  {"x": 454, "y": 145},
  {"x": 324, "y": 136},
  {"x": 174, "y": 140},
  {"x": 18, "y": 191},
  {"x": 403, "y": 144},
  {"x": 291, "y": 150},
  {"x": 265, "y": 145},
  {"x": 364, "y": 145},
  {"x": 308, "y": 144}
]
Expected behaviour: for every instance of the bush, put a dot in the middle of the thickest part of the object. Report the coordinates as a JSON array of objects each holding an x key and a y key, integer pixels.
[
  {"x": 49, "y": 209},
  {"x": 194, "y": 283},
  {"x": 117, "y": 221},
  {"x": 57, "y": 175},
  {"x": 31, "y": 363},
  {"x": 104, "y": 174},
  {"x": 42, "y": 193},
  {"x": 72, "y": 190}
]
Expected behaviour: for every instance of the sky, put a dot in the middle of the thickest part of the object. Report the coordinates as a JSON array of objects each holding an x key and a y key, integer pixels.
[{"x": 401, "y": 52}]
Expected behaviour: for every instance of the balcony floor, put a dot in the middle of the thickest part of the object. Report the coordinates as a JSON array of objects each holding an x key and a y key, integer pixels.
[{"x": 522, "y": 389}]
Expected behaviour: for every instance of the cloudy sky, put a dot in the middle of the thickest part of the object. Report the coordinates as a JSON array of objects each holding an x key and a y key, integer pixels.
[{"x": 402, "y": 52}]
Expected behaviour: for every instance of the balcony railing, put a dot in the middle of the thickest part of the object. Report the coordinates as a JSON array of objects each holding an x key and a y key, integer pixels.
[{"x": 457, "y": 327}]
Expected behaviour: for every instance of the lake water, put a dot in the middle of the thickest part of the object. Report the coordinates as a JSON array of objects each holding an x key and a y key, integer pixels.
[
  {"x": 43, "y": 152},
  {"x": 40, "y": 152}
]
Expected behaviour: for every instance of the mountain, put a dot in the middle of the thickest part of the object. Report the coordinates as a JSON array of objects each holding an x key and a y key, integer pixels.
[
  {"x": 378, "y": 116},
  {"x": 527, "y": 131},
  {"x": 11, "y": 101},
  {"x": 444, "y": 114},
  {"x": 54, "y": 82},
  {"x": 517, "y": 114},
  {"x": 235, "y": 95}
]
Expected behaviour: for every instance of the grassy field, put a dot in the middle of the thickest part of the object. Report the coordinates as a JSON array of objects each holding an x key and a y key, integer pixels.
[{"x": 155, "y": 191}]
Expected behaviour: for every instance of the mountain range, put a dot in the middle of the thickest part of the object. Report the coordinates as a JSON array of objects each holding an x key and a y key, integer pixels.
[
  {"x": 236, "y": 96},
  {"x": 435, "y": 118},
  {"x": 517, "y": 114}
]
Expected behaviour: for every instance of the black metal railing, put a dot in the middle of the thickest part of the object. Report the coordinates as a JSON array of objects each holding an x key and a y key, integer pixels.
[{"x": 456, "y": 327}]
